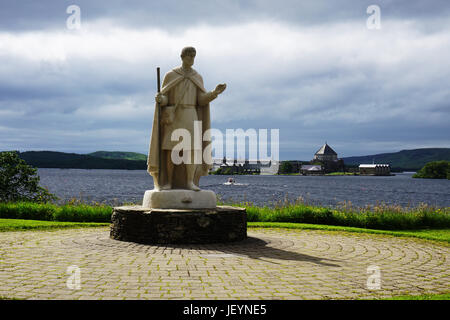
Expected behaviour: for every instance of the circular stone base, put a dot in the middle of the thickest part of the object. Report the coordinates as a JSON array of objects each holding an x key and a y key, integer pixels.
[{"x": 167, "y": 226}]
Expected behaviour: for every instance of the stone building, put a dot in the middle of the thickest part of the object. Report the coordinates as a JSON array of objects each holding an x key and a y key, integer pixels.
[
  {"x": 309, "y": 169},
  {"x": 375, "y": 169},
  {"x": 325, "y": 153},
  {"x": 234, "y": 166},
  {"x": 328, "y": 159}
]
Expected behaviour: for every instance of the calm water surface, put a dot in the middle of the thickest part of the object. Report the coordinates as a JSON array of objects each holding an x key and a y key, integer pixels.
[{"x": 124, "y": 186}]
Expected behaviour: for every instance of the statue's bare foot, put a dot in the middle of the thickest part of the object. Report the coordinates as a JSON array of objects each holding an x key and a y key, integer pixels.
[
  {"x": 192, "y": 186},
  {"x": 166, "y": 187}
]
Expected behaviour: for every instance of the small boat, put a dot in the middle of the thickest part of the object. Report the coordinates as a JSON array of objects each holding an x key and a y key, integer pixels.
[{"x": 230, "y": 181}]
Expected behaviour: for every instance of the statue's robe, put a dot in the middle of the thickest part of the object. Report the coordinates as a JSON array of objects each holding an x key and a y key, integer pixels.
[{"x": 193, "y": 105}]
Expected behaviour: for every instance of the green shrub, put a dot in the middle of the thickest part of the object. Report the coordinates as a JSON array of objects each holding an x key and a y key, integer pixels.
[
  {"x": 53, "y": 212},
  {"x": 83, "y": 213},
  {"x": 381, "y": 217},
  {"x": 27, "y": 210},
  {"x": 434, "y": 170},
  {"x": 286, "y": 167},
  {"x": 19, "y": 181}
]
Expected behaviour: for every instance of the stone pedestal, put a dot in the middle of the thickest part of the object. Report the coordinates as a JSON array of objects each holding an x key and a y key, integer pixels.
[
  {"x": 179, "y": 199},
  {"x": 178, "y": 226}
]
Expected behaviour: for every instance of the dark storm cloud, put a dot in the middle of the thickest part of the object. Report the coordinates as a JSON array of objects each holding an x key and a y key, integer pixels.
[
  {"x": 172, "y": 14},
  {"x": 309, "y": 68}
]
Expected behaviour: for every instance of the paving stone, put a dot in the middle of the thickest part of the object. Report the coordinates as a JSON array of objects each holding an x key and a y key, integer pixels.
[{"x": 270, "y": 264}]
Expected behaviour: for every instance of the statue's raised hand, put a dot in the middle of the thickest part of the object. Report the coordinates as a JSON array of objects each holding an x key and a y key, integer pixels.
[{"x": 220, "y": 88}]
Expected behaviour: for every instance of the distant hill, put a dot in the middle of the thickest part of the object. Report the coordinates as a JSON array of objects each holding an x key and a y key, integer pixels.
[
  {"x": 52, "y": 159},
  {"x": 119, "y": 155},
  {"x": 405, "y": 160}
]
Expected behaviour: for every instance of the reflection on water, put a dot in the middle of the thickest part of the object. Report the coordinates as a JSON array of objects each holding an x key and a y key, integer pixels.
[{"x": 128, "y": 186}]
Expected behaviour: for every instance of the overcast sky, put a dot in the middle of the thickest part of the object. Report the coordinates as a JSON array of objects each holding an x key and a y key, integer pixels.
[{"x": 312, "y": 69}]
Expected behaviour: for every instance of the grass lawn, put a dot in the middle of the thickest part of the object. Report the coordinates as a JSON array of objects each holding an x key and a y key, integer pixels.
[
  {"x": 445, "y": 296},
  {"x": 428, "y": 234},
  {"x": 343, "y": 174},
  {"x": 25, "y": 225}
]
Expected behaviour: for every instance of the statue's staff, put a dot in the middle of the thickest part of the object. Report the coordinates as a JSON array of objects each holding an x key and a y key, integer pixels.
[{"x": 158, "y": 78}]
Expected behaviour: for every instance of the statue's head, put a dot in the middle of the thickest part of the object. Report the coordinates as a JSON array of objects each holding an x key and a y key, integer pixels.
[{"x": 188, "y": 55}]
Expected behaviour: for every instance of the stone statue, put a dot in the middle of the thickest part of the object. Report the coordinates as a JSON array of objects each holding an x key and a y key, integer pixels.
[
  {"x": 183, "y": 100},
  {"x": 176, "y": 210}
]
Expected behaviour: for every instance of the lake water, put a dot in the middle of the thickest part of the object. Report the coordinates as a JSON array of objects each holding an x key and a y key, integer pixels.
[{"x": 124, "y": 186}]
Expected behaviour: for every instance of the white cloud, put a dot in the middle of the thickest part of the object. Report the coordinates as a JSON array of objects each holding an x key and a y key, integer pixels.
[{"x": 340, "y": 74}]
